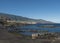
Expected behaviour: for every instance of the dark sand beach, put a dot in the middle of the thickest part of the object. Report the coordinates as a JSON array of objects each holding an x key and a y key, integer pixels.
[{"x": 6, "y": 37}]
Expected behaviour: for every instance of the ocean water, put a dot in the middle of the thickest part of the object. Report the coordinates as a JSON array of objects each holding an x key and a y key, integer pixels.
[
  {"x": 37, "y": 28},
  {"x": 29, "y": 29}
]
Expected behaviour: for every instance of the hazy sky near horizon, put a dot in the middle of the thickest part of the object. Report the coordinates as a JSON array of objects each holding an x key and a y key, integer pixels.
[{"x": 38, "y": 9}]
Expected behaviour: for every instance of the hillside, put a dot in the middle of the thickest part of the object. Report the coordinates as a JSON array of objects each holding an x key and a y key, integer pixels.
[{"x": 20, "y": 18}]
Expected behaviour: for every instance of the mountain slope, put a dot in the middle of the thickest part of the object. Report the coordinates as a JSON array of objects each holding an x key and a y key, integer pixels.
[{"x": 20, "y": 18}]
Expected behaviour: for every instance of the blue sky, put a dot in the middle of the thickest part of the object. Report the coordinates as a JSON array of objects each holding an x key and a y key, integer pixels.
[{"x": 38, "y": 9}]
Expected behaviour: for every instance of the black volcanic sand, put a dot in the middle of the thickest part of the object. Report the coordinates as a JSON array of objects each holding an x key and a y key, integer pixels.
[{"x": 6, "y": 37}]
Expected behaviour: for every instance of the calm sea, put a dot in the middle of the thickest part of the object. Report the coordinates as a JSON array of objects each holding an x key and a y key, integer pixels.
[{"x": 37, "y": 28}]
